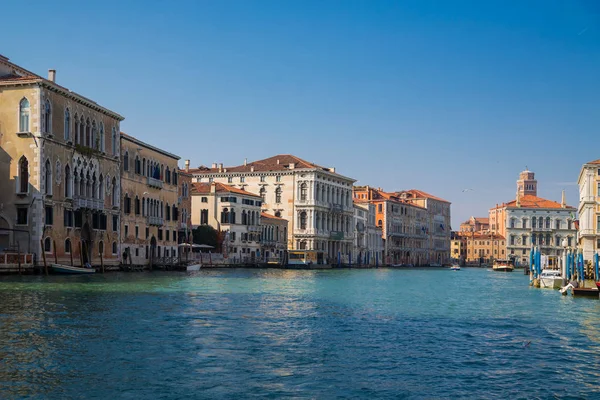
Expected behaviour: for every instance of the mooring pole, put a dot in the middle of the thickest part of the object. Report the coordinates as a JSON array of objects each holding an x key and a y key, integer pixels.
[{"x": 44, "y": 256}]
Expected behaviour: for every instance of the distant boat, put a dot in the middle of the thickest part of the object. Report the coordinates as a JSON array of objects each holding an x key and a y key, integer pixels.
[
  {"x": 435, "y": 265},
  {"x": 193, "y": 267},
  {"x": 503, "y": 266},
  {"x": 455, "y": 267},
  {"x": 67, "y": 269},
  {"x": 551, "y": 279}
]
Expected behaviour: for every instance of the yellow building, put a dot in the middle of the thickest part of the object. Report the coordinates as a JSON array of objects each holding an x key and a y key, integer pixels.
[
  {"x": 484, "y": 247},
  {"x": 59, "y": 170},
  {"x": 589, "y": 209},
  {"x": 149, "y": 212}
]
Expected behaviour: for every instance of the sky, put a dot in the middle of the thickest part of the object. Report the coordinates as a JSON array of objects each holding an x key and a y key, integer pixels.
[{"x": 440, "y": 96}]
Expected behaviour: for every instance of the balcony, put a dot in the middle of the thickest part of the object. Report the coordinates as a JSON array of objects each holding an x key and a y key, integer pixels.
[
  {"x": 183, "y": 226},
  {"x": 540, "y": 229},
  {"x": 336, "y": 235},
  {"x": 90, "y": 204},
  {"x": 153, "y": 182},
  {"x": 156, "y": 221}
]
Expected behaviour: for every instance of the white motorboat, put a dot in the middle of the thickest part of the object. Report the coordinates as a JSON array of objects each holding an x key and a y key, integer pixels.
[
  {"x": 551, "y": 279},
  {"x": 455, "y": 267},
  {"x": 503, "y": 266},
  {"x": 193, "y": 267},
  {"x": 67, "y": 269}
]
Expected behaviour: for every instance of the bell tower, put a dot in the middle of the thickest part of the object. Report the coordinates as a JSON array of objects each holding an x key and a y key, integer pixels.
[{"x": 527, "y": 184}]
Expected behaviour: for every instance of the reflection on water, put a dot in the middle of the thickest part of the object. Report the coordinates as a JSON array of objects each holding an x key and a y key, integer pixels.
[{"x": 317, "y": 334}]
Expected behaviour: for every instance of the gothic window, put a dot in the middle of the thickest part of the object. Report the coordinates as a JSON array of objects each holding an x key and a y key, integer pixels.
[
  {"x": 67, "y": 246},
  {"x": 225, "y": 216},
  {"x": 303, "y": 220},
  {"x": 24, "y": 115},
  {"x": 547, "y": 222},
  {"x": 88, "y": 133},
  {"x": 114, "y": 192},
  {"x": 47, "y": 121},
  {"x": 76, "y": 129},
  {"x": 81, "y": 184},
  {"x": 114, "y": 141},
  {"x": 101, "y": 188},
  {"x": 68, "y": 181},
  {"x": 262, "y": 193},
  {"x": 23, "y": 175},
  {"x": 67, "y": 125},
  {"x": 137, "y": 205},
  {"x": 102, "y": 144},
  {"x": 95, "y": 138},
  {"x": 48, "y": 177},
  {"x": 126, "y": 161},
  {"x": 137, "y": 165},
  {"x": 303, "y": 192}
]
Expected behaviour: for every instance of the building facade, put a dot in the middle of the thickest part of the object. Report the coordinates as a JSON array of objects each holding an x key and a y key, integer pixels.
[
  {"x": 530, "y": 221},
  {"x": 475, "y": 224},
  {"x": 273, "y": 238},
  {"x": 368, "y": 237},
  {"x": 315, "y": 200},
  {"x": 59, "y": 170},
  {"x": 149, "y": 211},
  {"x": 484, "y": 247},
  {"x": 233, "y": 211},
  {"x": 185, "y": 205},
  {"x": 589, "y": 209}
]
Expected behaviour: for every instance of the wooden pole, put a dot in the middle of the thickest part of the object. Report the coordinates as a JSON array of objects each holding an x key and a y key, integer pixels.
[
  {"x": 91, "y": 253},
  {"x": 71, "y": 253},
  {"x": 101, "y": 262},
  {"x": 55, "y": 254},
  {"x": 80, "y": 254},
  {"x": 44, "y": 256},
  {"x": 19, "y": 257}
]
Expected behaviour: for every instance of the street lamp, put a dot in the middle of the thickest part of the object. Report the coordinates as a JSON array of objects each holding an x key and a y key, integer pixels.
[{"x": 564, "y": 243}]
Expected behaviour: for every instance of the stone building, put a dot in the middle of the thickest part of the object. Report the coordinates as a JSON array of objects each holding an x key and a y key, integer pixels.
[
  {"x": 589, "y": 209},
  {"x": 475, "y": 224},
  {"x": 368, "y": 237},
  {"x": 233, "y": 211},
  {"x": 317, "y": 201},
  {"x": 149, "y": 212},
  {"x": 185, "y": 205},
  {"x": 59, "y": 170},
  {"x": 530, "y": 221},
  {"x": 273, "y": 238},
  {"x": 484, "y": 247}
]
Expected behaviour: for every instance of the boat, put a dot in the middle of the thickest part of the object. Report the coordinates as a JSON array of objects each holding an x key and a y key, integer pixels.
[
  {"x": 193, "y": 267},
  {"x": 67, "y": 269},
  {"x": 503, "y": 266},
  {"x": 455, "y": 267},
  {"x": 551, "y": 279},
  {"x": 435, "y": 264}
]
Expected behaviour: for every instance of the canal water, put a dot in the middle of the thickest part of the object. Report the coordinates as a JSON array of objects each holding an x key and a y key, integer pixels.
[{"x": 296, "y": 334}]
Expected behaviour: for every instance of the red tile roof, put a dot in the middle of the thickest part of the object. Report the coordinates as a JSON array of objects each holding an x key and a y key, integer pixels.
[
  {"x": 421, "y": 194},
  {"x": 269, "y": 216},
  {"x": 276, "y": 163},
  {"x": 204, "y": 188},
  {"x": 530, "y": 201},
  {"x": 12, "y": 78},
  {"x": 594, "y": 162}
]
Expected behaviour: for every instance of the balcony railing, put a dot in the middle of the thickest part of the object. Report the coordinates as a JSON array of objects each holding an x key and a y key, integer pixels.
[
  {"x": 91, "y": 204},
  {"x": 157, "y": 183},
  {"x": 157, "y": 221},
  {"x": 540, "y": 229}
]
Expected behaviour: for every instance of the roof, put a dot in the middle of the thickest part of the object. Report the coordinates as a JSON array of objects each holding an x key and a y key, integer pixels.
[
  {"x": 481, "y": 220},
  {"x": 148, "y": 146},
  {"x": 531, "y": 201},
  {"x": 281, "y": 162},
  {"x": 269, "y": 216},
  {"x": 205, "y": 188},
  {"x": 594, "y": 162},
  {"x": 481, "y": 235},
  {"x": 421, "y": 194}
]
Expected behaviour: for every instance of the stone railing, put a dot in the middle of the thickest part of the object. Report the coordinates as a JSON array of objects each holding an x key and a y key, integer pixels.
[
  {"x": 157, "y": 221},
  {"x": 157, "y": 183}
]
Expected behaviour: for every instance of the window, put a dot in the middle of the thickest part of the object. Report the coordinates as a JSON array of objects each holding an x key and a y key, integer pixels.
[
  {"x": 204, "y": 199},
  {"x": 533, "y": 237},
  {"x": 380, "y": 208},
  {"x": 512, "y": 240},
  {"x": 137, "y": 252},
  {"x": 47, "y": 245},
  {"x": 137, "y": 205},
  {"x": 67, "y": 125},
  {"x": 101, "y": 247},
  {"x": 68, "y": 218},
  {"x": 48, "y": 177},
  {"x": 115, "y": 223},
  {"x": 160, "y": 234},
  {"x": 21, "y": 216},
  {"x": 167, "y": 235},
  {"x": 512, "y": 223},
  {"x": 102, "y": 145},
  {"x": 103, "y": 222},
  {"x": 114, "y": 248},
  {"x": 278, "y": 214},
  {"x": 95, "y": 221},
  {"x": 126, "y": 161},
  {"x": 524, "y": 223},
  {"x": 225, "y": 216},
  {"x": 77, "y": 219},
  {"x": 547, "y": 222},
  {"x": 23, "y": 175},
  {"x": 204, "y": 217},
  {"x": 174, "y": 236},
  {"x": 114, "y": 141},
  {"x": 533, "y": 220},
  {"x": 242, "y": 179},
  {"x": 137, "y": 232},
  {"x": 557, "y": 223},
  {"x": 138, "y": 165},
  {"x": 49, "y": 220},
  {"x": 303, "y": 192},
  {"x": 167, "y": 212},
  {"x": 126, "y": 230},
  {"x": 127, "y": 204},
  {"x": 114, "y": 192},
  {"x": 68, "y": 181},
  {"x": 68, "y": 246},
  {"x": 303, "y": 220},
  {"x": 24, "y": 115},
  {"x": 569, "y": 222},
  {"x": 263, "y": 193},
  {"x": 262, "y": 178},
  {"x": 175, "y": 213},
  {"x": 278, "y": 195},
  {"x": 278, "y": 178}
]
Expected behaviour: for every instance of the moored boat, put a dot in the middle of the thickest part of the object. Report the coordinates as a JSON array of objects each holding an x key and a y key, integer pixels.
[
  {"x": 193, "y": 267},
  {"x": 503, "y": 266},
  {"x": 455, "y": 267},
  {"x": 67, "y": 269},
  {"x": 551, "y": 279}
]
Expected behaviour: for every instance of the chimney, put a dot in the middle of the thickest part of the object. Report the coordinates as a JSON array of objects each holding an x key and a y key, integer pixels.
[
  {"x": 214, "y": 165},
  {"x": 220, "y": 167},
  {"x": 252, "y": 168},
  {"x": 278, "y": 161},
  {"x": 292, "y": 165},
  {"x": 245, "y": 162},
  {"x": 52, "y": 75},
  {"x": 213, "y": 188},
  {"x": 563, "y": 201},
  {"x": 187, "y": 165}
]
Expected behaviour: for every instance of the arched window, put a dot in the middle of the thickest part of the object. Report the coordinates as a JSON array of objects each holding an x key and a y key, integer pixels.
[
  {"x": 278, "y": 195},
  {"x": 88, "y": 186},
  {"x": 95, "y": 138},
  {"x": 76, "y": 129},
  {"x": 101, "y": 247},
  {"x": 137, "y": 205},
  {"x": 101, "y": 188},
  {"x": 114, "y": 192},
  {"x": 126, "y": 161},
  {"x": 88, "y": 133},
  {"x": 81, "y": 184},
  {"x": 23, "y": 175},
  {"x": 24, "y": 115},
  {"x": 225, "y": 216},
  {"x": 547, "y": 222},
  {"x": 167, "y": 212},
  {"x": 278, "y": 214},
  {"x": 68, "y": 181},
  {"x": 94, "y": 187},
  {"x": 557, "y": 224},
  {"x": 174, "y": 177},
  {"x": 68, "y": 246},
  {"x": 232, "y": 216},
  {"x": 47, "y": 121},
  {"x": 303, "y": 192},
  {"x": 144, "y": 167},
  {"x": 102, "y": 144},
  {"x": 303, "y": 220},
  {"x": 533, "y": 222},
  {"x": 167, "y": 175},
  {"x": 114, "y": 141},
  {"x": 48, "y": 177},
  {"x": 47, "y": 245},
  {"x": 67, "y": 125},
  {"x": 244, "y": 218},
  {"x": 82, "y": 131},
  {"x": 114, "y": 248}
]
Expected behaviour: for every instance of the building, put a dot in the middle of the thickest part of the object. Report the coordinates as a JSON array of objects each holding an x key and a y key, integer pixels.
[
  {"x": 530, "y": 221},
  {"x": 273, "y": 238},
  {"x": 59, "y": 170},
  {"x": 458, "y": 247},
  {"x": 404, "y": 226},
  {"x": 233, "y": 211},
  {"x": 368, "y": 237},
  {"x": 475, "y": 224},
  {"x": 484, "y": 247},
  {"x": 589, "y": 209},
  {"x": 149, "y": 212},
  {"x": 185, "y": 205},
  {"x": 317, "y": 201}
]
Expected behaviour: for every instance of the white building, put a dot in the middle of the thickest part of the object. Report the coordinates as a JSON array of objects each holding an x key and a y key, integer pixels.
[
  {"x": 233, "y": 211},
  {"x": 589, "y": 209},
  {"x": 315, "y": 200},
  {"x": 368, "y": 237}
]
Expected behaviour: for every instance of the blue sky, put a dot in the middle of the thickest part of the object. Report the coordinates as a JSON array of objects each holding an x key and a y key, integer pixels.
[{"x": 435, "y": 95}]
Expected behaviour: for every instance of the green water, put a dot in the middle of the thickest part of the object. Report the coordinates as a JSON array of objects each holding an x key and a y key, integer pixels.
[{"x": 295, "y": 334}]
